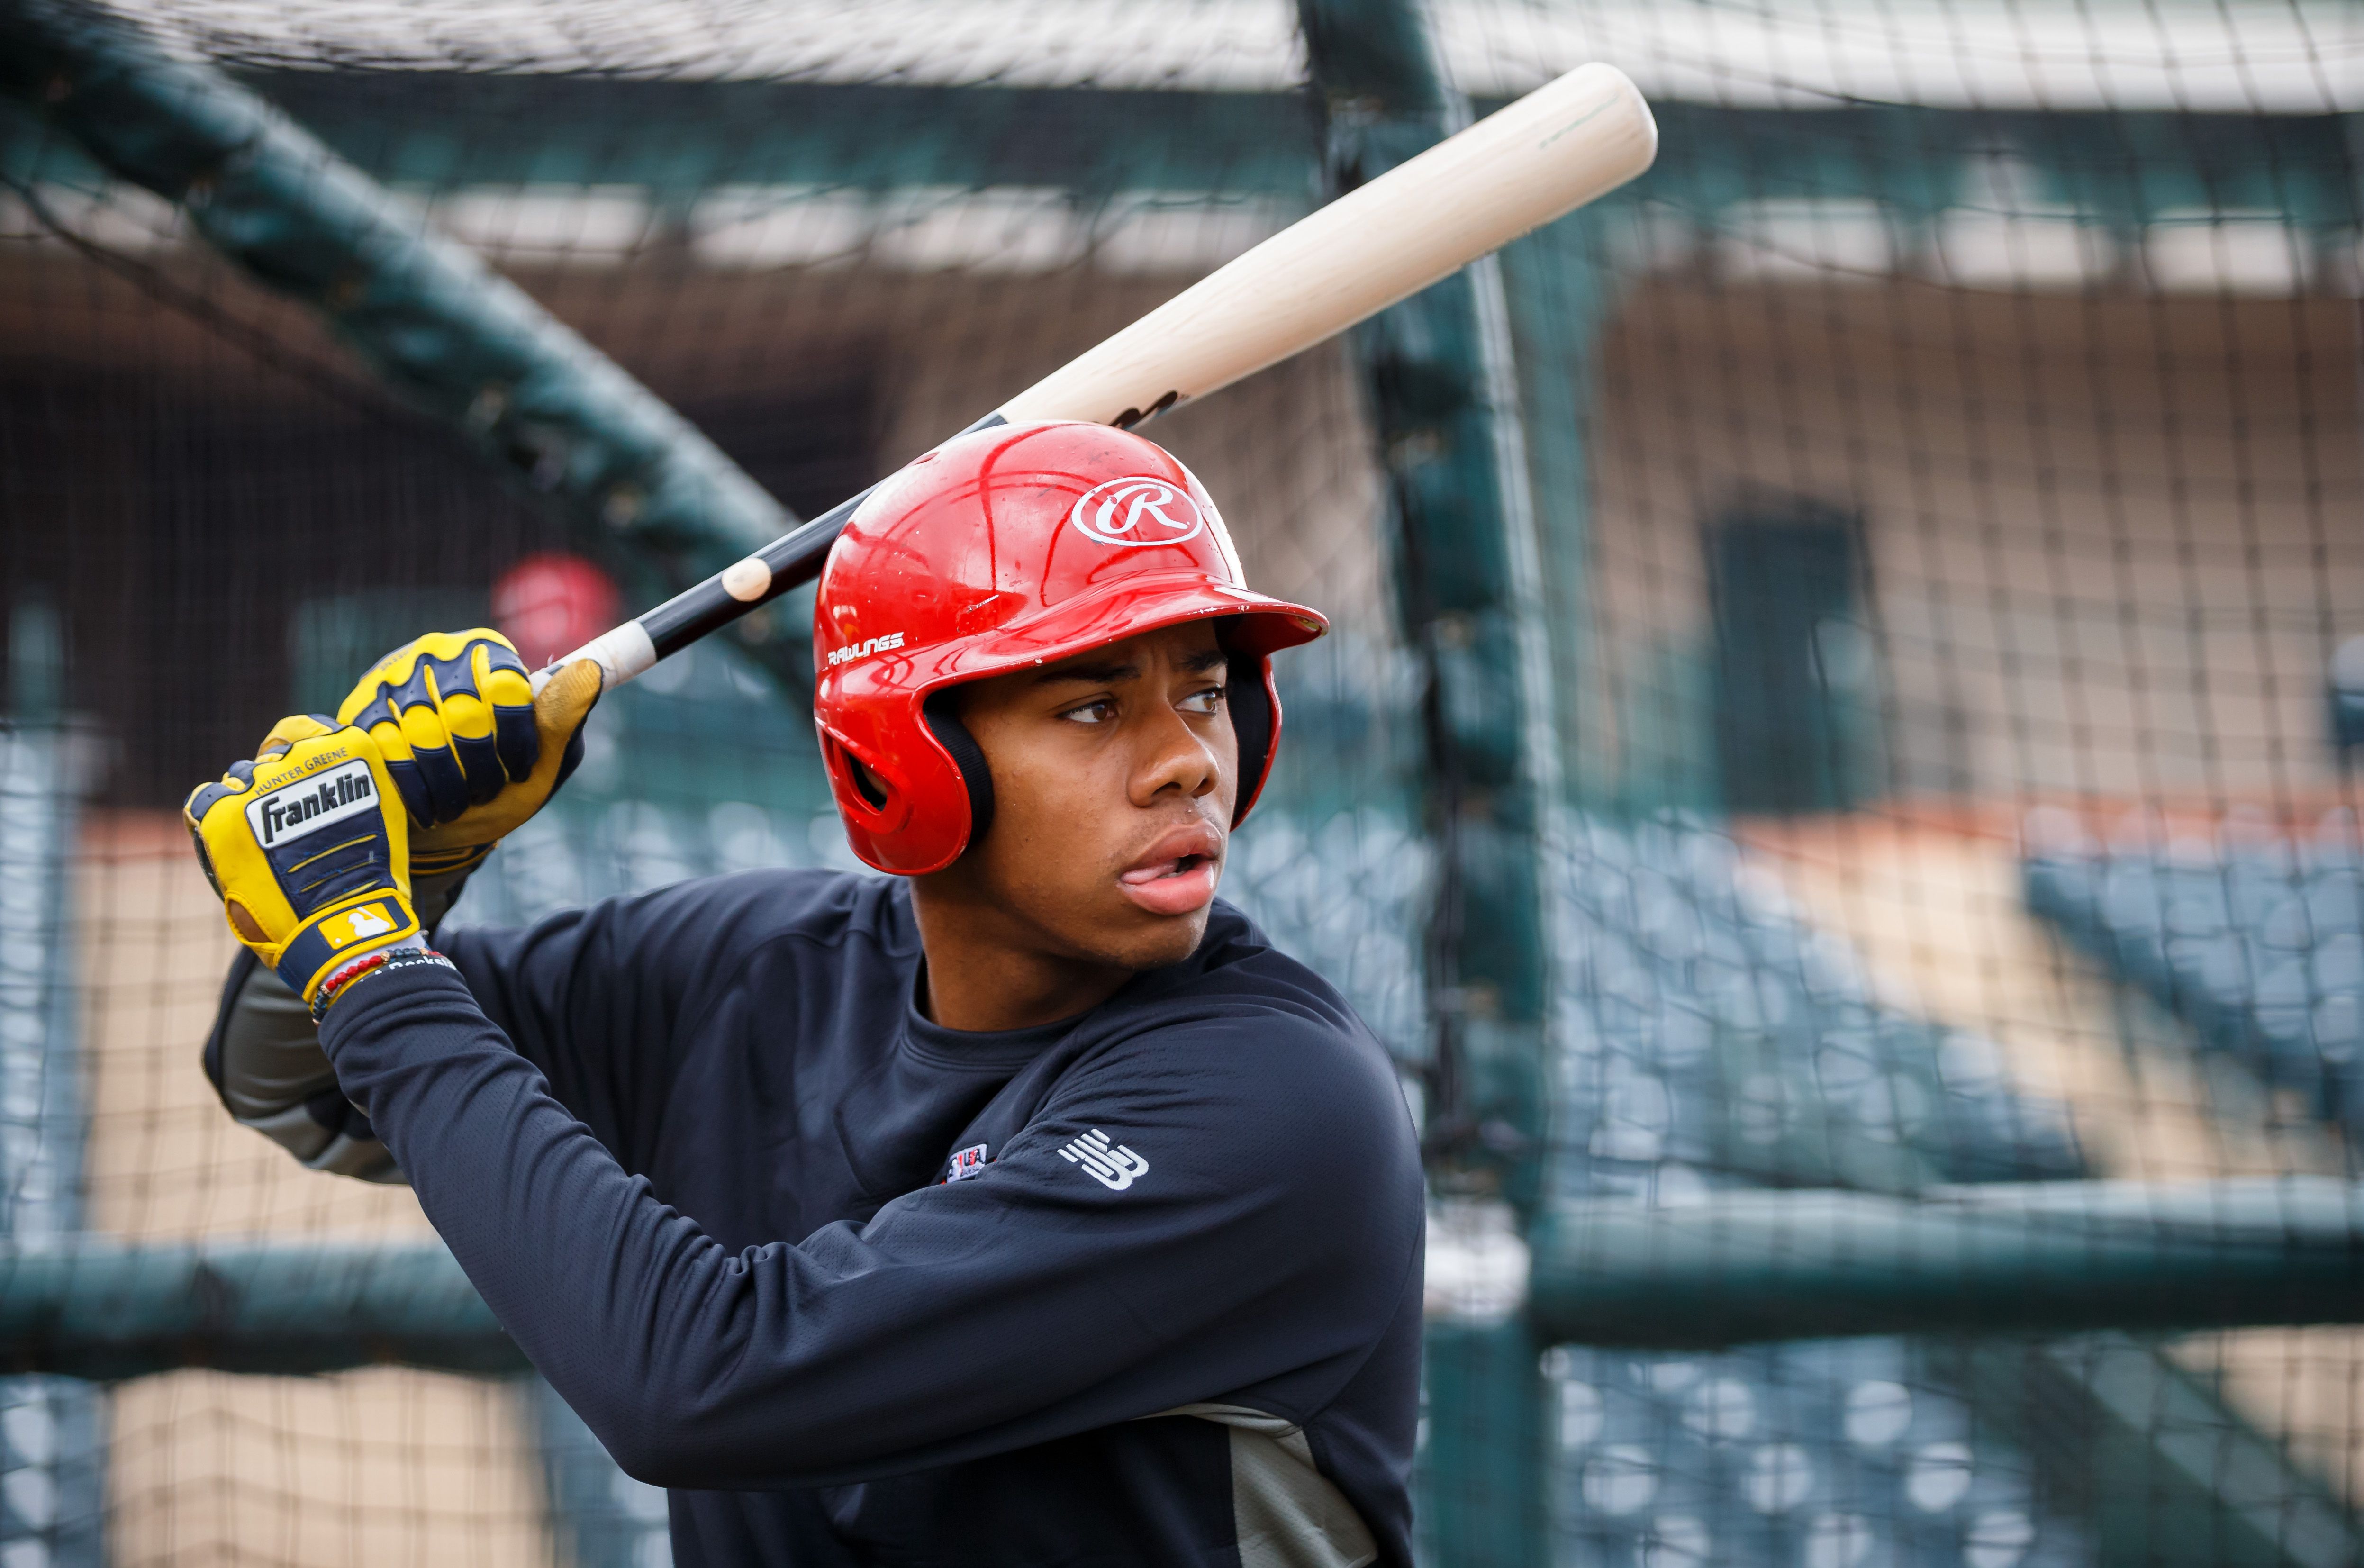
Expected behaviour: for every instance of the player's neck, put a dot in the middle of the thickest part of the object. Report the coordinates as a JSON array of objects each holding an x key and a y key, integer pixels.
[{"x": 988, "y": 970}]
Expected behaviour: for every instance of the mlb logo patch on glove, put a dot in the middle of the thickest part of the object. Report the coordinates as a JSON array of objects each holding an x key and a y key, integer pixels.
[{"x": 348, "y": 927}]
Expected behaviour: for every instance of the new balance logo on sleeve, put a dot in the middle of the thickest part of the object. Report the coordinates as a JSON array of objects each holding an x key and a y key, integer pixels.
[{"x": 1115, "y": 1168}]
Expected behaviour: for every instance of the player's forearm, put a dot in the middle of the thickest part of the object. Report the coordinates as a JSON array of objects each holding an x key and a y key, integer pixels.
[
  {"x": 696, "y": 1366},
  {"x": 264, "y": 1061},
  {"x": 571, "y": 1254}
]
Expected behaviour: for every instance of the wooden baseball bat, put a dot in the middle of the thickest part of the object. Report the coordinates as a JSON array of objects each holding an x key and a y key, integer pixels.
[{"x": 1561, "y": 146}]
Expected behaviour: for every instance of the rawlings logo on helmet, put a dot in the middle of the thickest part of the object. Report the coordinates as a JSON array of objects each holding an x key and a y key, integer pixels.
[{"x": 1137, "y": 510}]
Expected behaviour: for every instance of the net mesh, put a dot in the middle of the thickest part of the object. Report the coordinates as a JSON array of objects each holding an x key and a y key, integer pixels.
[
  {"x": 1951, "y": 674},
  {"x": 1946, "y": 472}
]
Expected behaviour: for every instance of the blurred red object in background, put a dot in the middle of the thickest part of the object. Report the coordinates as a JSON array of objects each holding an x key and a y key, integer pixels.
[{"x": 551, "y": 603}]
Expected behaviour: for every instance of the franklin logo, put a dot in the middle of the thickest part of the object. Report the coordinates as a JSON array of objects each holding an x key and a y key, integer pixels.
[
  {"x": 1139, "y": 510},
  {"x": 294, "y": 811},
  {"x": 1115, "y": 1168}
]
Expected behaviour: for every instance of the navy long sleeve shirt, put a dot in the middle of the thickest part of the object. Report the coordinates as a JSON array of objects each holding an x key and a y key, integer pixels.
[{"x": 1139, "y": 1287}]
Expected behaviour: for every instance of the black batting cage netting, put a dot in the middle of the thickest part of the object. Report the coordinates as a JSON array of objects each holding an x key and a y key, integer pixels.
[{"x": 1834, "y": 772}]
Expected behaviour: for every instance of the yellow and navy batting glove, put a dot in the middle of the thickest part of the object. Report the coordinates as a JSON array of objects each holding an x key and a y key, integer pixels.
[
  {"x": 472, "y": 750},
  {"x": 309, "y": 852}
]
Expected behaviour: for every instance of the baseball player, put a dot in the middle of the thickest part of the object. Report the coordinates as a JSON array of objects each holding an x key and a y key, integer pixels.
[{"x": 1024, "y": 1207}]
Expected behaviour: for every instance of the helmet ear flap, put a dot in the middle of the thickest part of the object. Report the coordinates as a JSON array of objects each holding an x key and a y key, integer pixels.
[
  {"x": 898, "y": 792},
  {"x": 867, "y": 787},
  {"x": 1256, "y": 725},
  {"x": 940, "y": 710},
  {"x": 864, "y": 792}
]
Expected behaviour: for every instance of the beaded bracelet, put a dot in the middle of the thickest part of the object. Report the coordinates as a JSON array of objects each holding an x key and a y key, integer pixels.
[
  {"x": 372, "y": 963},
  {"x": 339, "y": 978}
]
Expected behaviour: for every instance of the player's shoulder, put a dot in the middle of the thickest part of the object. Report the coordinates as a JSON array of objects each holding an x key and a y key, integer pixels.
[
  {"x": 729, "y": 915},
  {"x": 1239, "y": 1000},
  {"x": 1236, "y": 963},
  {"x": 1245, "y": 1065}
]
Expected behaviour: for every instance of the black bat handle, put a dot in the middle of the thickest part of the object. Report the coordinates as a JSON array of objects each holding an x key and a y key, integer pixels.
[
  {"x": 794, "y": 558},
  {"x": 789, "y": 562}
]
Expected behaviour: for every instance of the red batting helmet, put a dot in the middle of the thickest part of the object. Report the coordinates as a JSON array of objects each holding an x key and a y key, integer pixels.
[{"x": 1010, "y": 547}]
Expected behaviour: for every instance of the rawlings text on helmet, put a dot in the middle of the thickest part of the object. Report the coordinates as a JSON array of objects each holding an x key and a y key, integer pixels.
[
  {"x": 1137, "y": 510},
  {"x": 847, "y": 655}
]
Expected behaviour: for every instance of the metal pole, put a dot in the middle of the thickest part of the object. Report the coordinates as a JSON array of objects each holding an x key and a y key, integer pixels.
[
  {"x": 2049, "y": 1257},
  {"x": 50, "y": 1426},
  {"x": 1443, "y": 393},
  {"x": 1736, "y": 1266},
  {"x": 93, "y": 1308}
]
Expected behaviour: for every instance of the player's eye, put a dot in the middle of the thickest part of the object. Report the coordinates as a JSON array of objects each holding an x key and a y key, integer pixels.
[
  {"x": 1208, "y": 701},
  {"x": 1099, "y": 710}
]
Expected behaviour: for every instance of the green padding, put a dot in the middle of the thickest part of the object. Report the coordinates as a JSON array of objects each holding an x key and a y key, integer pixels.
[
  {"x": 1490, "y": 1441},
  {"x": 445, "y": 129},
  {"x": 2053, "y": 1257},
  {"x": 97, "y": 1309}
]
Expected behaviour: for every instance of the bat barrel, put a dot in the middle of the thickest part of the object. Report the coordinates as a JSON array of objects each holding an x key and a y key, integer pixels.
[
  {"x": 1564, "y": 144},
  {"x": 1567, "y": 142}
]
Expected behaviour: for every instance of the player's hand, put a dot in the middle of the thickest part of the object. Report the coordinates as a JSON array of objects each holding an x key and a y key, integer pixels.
[
  {"x": 470, "y": 747},
  {"x": 308, "y": 851}
]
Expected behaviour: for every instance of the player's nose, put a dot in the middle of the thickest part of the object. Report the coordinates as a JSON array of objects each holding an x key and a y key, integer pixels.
[{"x": 1173, "y": 755}]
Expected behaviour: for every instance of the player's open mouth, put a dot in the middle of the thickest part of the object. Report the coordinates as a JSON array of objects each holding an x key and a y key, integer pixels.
[{"x": 1178, "y": 872}]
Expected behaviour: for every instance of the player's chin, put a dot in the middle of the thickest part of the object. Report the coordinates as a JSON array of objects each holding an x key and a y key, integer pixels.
[{"x": 1135, "y": 936}]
